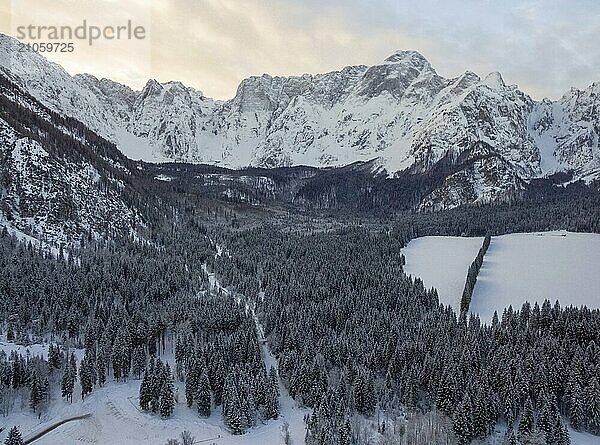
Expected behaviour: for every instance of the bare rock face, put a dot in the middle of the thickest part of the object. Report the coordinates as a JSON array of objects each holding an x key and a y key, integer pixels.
[{"x": 400, "y": 111}]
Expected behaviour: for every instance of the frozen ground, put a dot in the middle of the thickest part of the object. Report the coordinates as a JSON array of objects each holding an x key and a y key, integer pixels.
[
  {"x": 442, "y": 262},
  {"x": 117, "y": 420},
  {"x": 518, "y": 267},
  {"x": 537, "y": 266}
]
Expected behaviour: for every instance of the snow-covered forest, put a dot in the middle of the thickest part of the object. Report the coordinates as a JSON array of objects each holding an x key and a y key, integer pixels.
[{"x": 180, "y": 304}]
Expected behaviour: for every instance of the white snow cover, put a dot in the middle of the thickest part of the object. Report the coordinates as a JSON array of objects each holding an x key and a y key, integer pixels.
[
  {"x": 400, "y": 111},
  {"x": 538, "y": 266},
  {"x": 517, "y": 268},
  {"x": 117, "y": 419},
  {"x": 442, "y": 262}
]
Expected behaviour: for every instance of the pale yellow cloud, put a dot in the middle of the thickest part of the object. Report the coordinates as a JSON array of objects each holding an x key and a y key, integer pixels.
[
  {"x": 125, "y": 60},
  {"x": 209, "y": 44},
  {"x": 225, "y": 41},
  {"x": 213, "y": 44}
]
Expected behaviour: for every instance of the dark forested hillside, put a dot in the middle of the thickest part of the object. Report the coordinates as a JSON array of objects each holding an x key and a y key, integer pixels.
[{"x": 353, "y": 334}]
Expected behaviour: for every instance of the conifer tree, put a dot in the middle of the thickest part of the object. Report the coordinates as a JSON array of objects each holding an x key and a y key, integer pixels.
[
  {"x": 272, "y": 403},
  {"x": 53, "y": 357},
  {"x": 101, "y": 367},
  {"x": 145, "y": 392},
  {"x": 14, "y": 437},
  {"x": 67, "y": 382},
  {"x": 593, "y": 404},
  {"x": 191, "y": 382},
  {"x": 138, "y": 361},
  {"x": 232, "y": 410},
  {"x": 273, "y": 380},
  {"x": 85, "y": 377},
  {"x": 167, "y": 396},
  {"x": 462, "y": 420},
  {"x": 203, "y": 397},
  {"x": 35, "y": 396},
  {"x": 511, "y": 439},
  {"x": 526, "y": 423}
]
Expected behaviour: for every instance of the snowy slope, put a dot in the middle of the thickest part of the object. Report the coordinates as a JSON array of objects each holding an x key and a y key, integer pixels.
[
  {"x": 516, "y": 268},
  {"x": 58, "y": 181},
  {"x": 117, "y": 419}
]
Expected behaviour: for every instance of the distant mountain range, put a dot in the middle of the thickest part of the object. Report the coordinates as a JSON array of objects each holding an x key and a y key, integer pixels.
[{"x": 400, "y": 116}]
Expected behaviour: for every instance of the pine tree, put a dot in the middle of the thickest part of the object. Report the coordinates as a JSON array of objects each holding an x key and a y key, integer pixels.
[
  {"x": 121, "y": 354},
  {"x": 445, "y": 395},
  {"x": 67, "y": 382},
  {"x": 526, "y": 424},
  {"x": 273, "y": 380},
  {"x": 85, "y": 377},
  {"x": 510, "y": 439},
  {"x": 203, "y": 398},
  {"x": 564, "y": 439},
  {"x": 232, "y": 410},
  {"x": 167, "y": 396},
  {"x": 191, "y": 382},
  {"x": 272, "y": 405},
  {"x": 593, "y": 405},
  {"x": 345, "y": 433},
  {"x": 145, "y": 392},
  {"x": 45, "y": 390},
  {"x": 462, "y": 420},
  {"x": 138, "y": 361},
  {"x": 577, "y": 409},
  {"x": 53, "y": 357},
  {"x": 101, "y": 367},
  {"x": 35, "y": 396},
  {"x": 156, "y": 384},
  {"x": 14, "y": 437}
]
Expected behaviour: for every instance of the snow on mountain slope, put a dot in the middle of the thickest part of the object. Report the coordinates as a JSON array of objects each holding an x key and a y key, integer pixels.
[
  {"x": 518, "y": 267},
  {"x": 400, "y": 111},
  {"x": 51, "y": 199},
  {"x": 58, "y": 181},
  {"x": 442, "y": 262},
  {"x": 567, "y": 131}
]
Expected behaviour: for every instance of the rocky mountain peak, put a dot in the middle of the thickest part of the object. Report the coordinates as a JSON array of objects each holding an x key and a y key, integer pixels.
[
  {"x": 494, "y": 80},
  {"x": 152, "y": 88},
  {"x": 408, "y": 57},
  {"x": 399, "y": 111}
]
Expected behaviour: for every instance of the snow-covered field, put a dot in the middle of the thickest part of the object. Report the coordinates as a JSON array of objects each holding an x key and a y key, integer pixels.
[
  {"x": 442, "y": 262},
  {"x": 534, "y": 267},
  {"x": 517, "y": 268}
]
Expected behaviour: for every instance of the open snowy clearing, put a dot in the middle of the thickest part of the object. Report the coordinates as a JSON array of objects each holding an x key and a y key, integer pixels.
[
  {"x": 538, "y": 266},
  {"x": 517, "y": 268},
  {"x": 442, "y": 262}
]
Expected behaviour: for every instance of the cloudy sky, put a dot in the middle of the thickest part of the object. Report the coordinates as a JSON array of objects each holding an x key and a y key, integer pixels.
[{"x": 544, "y": 46}]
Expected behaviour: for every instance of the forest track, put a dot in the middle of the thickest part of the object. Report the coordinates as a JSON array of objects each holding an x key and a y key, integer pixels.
[{"x": 52, "y": 427}]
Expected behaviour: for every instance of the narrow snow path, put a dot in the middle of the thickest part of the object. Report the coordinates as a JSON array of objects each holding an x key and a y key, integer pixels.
[
  {"x": 46, "y": 430},
  {"x": 289, "y": 411}
]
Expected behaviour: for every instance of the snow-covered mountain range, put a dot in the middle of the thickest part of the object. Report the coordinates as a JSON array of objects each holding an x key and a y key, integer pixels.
[
  {"x": 60, "y": 183},
  {"x": 400, "y": 112}
]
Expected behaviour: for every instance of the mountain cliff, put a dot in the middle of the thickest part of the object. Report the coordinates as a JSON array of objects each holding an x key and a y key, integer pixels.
[{"x": 400, "y": 112}]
